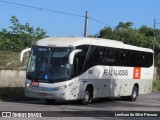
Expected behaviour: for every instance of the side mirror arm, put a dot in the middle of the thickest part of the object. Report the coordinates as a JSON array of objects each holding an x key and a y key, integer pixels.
[
  {"x": 72, "y": 54},
  {"x": 22, "y": 53}
]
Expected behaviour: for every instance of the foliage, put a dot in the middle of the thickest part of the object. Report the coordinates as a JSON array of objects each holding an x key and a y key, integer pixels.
[
  {"x": 20, "y": 36},
  {"x": 9, "y": 61},
  {"x": 156, "y": 85}
]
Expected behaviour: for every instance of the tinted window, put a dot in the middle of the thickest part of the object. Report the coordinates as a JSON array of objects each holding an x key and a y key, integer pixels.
[
  {"x": 79, "y": 60},
  {"x": 109, "y": 56},
  {"x": 118, "y": 57},
  {"x": 130, "y": 58},
  {"x": 95, "y": 57},
  {"x": 121, "y": 57}
]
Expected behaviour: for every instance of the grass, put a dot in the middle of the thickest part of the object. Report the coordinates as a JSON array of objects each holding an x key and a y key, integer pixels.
[{"x": 156, "y": 85}]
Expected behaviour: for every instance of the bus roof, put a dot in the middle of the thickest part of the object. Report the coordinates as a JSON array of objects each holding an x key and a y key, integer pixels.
[{"x": 76, "y": 41}]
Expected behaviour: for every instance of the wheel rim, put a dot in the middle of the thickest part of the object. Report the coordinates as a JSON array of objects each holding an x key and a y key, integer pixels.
[
  {"x": 134, "y": 94},
  {"x": 86, "y": 97}
]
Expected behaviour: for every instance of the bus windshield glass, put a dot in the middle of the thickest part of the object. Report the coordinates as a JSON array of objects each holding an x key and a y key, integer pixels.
[{"x": 49, "y": 64}]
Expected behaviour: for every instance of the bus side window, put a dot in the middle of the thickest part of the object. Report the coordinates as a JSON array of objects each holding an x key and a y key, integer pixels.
[
  {"x": 139, "y": 59},
  {"x": 130, "y": 58},
  {"x": 95, "y": 57},
  {"x": 109, "y": 56},
  {"x": 75, "y": 65},
  {"x": 149, "y": 59},
  {"x": 79, "y": 60},
  {"x": 120, "y": 57},
  {"x": 143, "y": 60}
]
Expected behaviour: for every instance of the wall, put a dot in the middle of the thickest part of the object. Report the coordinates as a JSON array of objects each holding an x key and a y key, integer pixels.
[{"x": 12, "y": 78}]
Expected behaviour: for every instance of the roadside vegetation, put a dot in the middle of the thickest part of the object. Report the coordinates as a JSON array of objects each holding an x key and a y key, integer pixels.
[
  {"x": 156, "y": 85},
  {"x": 19, "y": 36}
]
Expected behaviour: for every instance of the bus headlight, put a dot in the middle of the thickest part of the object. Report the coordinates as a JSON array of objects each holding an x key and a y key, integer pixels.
[
  {"x": 27, "y": 85},
  {"x": 61, "y": 87}
]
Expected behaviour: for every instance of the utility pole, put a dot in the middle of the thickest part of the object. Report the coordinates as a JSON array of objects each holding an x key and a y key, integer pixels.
[
  {"x": 86, "y": 24},
  {"x": 154, "y": 38}
]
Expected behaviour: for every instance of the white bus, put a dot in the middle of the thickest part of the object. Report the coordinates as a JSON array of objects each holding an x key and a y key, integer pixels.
[{"x": 87, "y": 68}]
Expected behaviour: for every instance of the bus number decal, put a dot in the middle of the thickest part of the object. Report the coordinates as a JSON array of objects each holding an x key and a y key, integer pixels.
[
  {"x": 137, "y": 73},
  {"x": 35, "y": 84}
]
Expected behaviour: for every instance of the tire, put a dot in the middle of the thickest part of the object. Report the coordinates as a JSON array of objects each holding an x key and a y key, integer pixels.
[
  {"x": 86, "y": 97},
  {"x": 50, "y": 101},
  {"x": 134, "y": 94}
]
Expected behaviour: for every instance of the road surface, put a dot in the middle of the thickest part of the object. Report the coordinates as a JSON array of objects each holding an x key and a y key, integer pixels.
[{"x": 144, "y": 104}]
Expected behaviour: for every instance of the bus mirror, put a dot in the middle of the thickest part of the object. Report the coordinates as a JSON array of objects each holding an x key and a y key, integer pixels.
[
  {"x": 22, "y": 53},
  {"x": 72, "y": 54}
]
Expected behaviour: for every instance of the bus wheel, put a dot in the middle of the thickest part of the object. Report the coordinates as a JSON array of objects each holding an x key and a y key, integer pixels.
[
  {"x": 50, "y": 101},
  {"x": 86, "y": 97},
  {"x": 134, "y": 94}
]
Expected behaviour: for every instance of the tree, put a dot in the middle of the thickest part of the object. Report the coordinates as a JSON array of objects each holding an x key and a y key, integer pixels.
[
  {"x": 20, "y": 36},
  {"x": 106, "y": 32},
  {"x": 122, "y": 25},
  {"x": 122, "y": 30},
  {"x": 146, "y": 31}
]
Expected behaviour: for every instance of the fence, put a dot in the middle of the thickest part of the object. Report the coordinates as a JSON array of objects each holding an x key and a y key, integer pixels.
[{"x": 10, "y": 61}]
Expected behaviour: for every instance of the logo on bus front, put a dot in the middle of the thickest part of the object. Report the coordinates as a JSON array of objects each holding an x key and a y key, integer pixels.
[{"x": 137, "y": 73}]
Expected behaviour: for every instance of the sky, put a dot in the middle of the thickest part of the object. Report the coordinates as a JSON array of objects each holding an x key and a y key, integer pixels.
[{"x": 110, "y": 12}]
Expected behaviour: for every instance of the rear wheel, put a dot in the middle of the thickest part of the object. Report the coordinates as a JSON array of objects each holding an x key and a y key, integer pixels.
[{"x": 134, "y": 94}]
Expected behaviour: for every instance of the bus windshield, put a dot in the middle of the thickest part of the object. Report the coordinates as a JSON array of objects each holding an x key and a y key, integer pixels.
[{"x": 49, "y": 64}]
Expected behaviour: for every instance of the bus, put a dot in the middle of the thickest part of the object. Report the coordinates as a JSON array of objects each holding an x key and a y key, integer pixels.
[{"x": 83, "y": 69}]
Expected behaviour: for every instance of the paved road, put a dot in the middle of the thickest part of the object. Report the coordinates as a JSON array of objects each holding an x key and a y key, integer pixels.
[{"x": 148, "y": 102}]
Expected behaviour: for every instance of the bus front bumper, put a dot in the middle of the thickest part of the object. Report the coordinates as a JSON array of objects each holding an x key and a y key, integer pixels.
[{"x": 56, "y": 95}]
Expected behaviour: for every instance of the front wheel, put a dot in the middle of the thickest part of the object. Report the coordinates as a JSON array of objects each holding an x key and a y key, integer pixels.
[
  {"x": 86, "y": 97},
  {"x": 50, "y": 101},
  {"x": 134, "y": 94}
]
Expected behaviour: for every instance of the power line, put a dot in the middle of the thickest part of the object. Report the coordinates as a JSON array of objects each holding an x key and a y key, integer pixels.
[
  {"x": 39, "y": 8},
  {"x": 49, "y": 10},
  {"x": 97, "y": 21}
]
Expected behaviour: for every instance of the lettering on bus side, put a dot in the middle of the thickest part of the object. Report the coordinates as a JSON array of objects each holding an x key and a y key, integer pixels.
[{"x": 112, "y": 72}]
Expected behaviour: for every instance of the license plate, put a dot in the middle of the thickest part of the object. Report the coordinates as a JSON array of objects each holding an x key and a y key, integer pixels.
[
  {"x": 36, "y": 84},
  {"x": 43, "y": 94}
]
